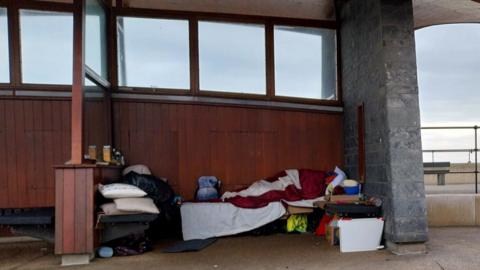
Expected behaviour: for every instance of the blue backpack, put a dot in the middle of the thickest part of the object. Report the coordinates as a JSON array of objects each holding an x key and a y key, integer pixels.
[{"x": 208, "y": 188}]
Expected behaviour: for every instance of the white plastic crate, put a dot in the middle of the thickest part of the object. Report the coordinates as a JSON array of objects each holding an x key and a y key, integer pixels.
[{"x": 360, "y": 234}]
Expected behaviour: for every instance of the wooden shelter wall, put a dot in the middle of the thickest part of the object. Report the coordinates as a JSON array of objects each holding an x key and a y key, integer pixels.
[
  {"x": 239, "y": 145},
  {"x": 177, "y": 141},
  {"x": 35, "y": 136}
]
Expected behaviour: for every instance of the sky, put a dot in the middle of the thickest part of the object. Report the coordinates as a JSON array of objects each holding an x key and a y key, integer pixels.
[{"x": 448, "y": 68}]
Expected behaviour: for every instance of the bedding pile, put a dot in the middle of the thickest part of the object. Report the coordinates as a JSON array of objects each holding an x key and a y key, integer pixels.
[
  {"x": 259, "y": 204},
  {"x": 289, "y": 185}
]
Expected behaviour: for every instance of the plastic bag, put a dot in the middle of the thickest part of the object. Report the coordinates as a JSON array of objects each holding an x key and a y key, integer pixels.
[
  {"x": 157, "y": 189},
  {"x": 208, "y": 188}
]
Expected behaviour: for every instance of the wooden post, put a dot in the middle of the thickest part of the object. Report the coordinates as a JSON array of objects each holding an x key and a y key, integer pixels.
[
  {"x": 78, "y": 81},
  {"x": 75, "y": 235},
  {"x": 361, "y": 142}
]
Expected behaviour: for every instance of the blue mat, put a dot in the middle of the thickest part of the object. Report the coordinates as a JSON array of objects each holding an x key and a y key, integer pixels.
[{"x": 190, "y": 245}]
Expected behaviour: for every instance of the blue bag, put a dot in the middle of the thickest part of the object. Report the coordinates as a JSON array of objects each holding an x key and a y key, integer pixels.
[{"x": 208, "y": 188}]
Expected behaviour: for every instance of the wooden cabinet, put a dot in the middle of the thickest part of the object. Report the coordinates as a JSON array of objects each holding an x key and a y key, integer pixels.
[{"x": 75, "y": 206}]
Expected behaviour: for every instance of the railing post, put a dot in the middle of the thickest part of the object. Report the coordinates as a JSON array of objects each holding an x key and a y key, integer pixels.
[{"x": 476, "y": 160}]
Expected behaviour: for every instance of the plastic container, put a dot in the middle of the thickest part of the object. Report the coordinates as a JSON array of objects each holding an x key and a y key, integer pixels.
[
  {"x": 352, "y": 190},
  {"x": 105, "y": 252},
  {"x": 361, "y": 234},
  {"x": 107, "y": 153},
  {"x": 351, "y": 187}
]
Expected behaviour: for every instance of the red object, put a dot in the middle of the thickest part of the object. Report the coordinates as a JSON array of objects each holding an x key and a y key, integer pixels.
[
  {"x": 338, "y": 190},
  {"x": 329, "y": 179},
  {"x": 322, "y": 227},
  {"x": 312, "y": 185}
]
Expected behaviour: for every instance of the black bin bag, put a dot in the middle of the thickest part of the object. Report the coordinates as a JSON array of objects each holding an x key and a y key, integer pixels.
[{"x": 158, "y": 190}]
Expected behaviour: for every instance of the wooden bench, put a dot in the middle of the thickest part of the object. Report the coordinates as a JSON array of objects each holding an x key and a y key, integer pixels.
[{"x": 438, "y": 168}]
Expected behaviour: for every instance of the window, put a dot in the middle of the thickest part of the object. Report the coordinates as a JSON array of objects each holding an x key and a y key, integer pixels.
[
  {"x": 4, "y": 59},
  {"x": 305, "y": 62},
  {"x": 95, "y": 38},
  {"x": 47, "y": 47},
  {"x": 232, "y": 57},
  {"x": 153, "y": 53}
]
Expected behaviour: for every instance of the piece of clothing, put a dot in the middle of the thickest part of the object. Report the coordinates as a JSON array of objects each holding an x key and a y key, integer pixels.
[
  {"x": 290, "y": 185},
  {"x": 322, "y": 227},
  {"x": 297, "y": 223}
]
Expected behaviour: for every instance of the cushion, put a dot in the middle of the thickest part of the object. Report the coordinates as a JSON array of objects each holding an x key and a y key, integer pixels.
[
  {"x": 110, "y": 209},
  {"x": 140, "y": 169},
  {"x": 115, "y": 191},
  {"x": 144, "y": 205}
]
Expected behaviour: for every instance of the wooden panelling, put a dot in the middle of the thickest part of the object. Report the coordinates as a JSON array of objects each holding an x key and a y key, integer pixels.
[
  {"x": 239, "y": 145},
  {"x": 75, "y": 208},
  {"x": 34, "y": 136},
  {"x": 180, "y": 142},
  {"x": 305, "y": 9},
  {"x": 96, "y": 126}
]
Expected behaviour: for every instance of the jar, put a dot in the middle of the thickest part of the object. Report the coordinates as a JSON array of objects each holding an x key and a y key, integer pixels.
[{"x": 107, "y": 153}]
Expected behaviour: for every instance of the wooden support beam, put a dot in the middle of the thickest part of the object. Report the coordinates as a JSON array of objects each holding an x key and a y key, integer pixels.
[
  {"x": 78, "y": 81},
  {"x": 270, "y": 59},
  {"x": 361, "y": 142}
]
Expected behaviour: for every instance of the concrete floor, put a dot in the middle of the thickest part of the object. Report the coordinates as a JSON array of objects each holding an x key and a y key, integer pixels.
[{"x": 449, "y": 248}]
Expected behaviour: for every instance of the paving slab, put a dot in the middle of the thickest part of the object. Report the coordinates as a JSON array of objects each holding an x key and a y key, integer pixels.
[{"x": 449, "y": 248}]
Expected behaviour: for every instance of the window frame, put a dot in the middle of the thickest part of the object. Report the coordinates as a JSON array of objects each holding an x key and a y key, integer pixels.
[
  {"x": 4, "y": 84},
  {"x": 111, "y": 83},
  {"x": 93, "y": 75},
  {"x": 194, "y": 18},
  {"x": 20, "y": 41},
  {"x": 213, "y": 93},
  {"x": 159, "y": 90},
  {"x": 337, "y": 63},
  {"x": 14, "y": 43}
]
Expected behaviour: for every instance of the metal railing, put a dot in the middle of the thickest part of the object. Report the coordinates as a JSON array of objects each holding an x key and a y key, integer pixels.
[{"x": 469, "y": 151}]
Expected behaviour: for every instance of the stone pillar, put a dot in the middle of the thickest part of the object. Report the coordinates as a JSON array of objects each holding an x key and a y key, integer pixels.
[{"x": 379, "y": 69}]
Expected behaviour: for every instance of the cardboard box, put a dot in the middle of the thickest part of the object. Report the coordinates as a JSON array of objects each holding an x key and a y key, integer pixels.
[
  {"x": 332, "y": 233},
  {"x": 294, "y": 210},
  {"x": 342, "y": 198}
]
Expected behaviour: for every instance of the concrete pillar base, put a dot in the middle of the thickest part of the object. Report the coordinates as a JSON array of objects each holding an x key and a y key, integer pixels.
[
  {"x": 76, "y": 259},
  {"x": 406, "y": 248}
]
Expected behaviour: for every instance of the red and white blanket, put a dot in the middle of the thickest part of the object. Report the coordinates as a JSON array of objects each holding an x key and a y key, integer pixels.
[{"x": 289, "y": 185}]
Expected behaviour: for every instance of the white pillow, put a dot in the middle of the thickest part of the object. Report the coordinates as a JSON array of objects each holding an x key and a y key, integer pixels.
[
  {"x": 110, "y": 209},
  {"x": 114, "y": 191},
  {"x": 144, "y": 205},
  {"x": 140, "y": 169}
]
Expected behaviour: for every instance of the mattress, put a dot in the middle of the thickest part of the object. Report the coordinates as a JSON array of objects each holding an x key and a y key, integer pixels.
[{"x": 206, "y": 220}]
